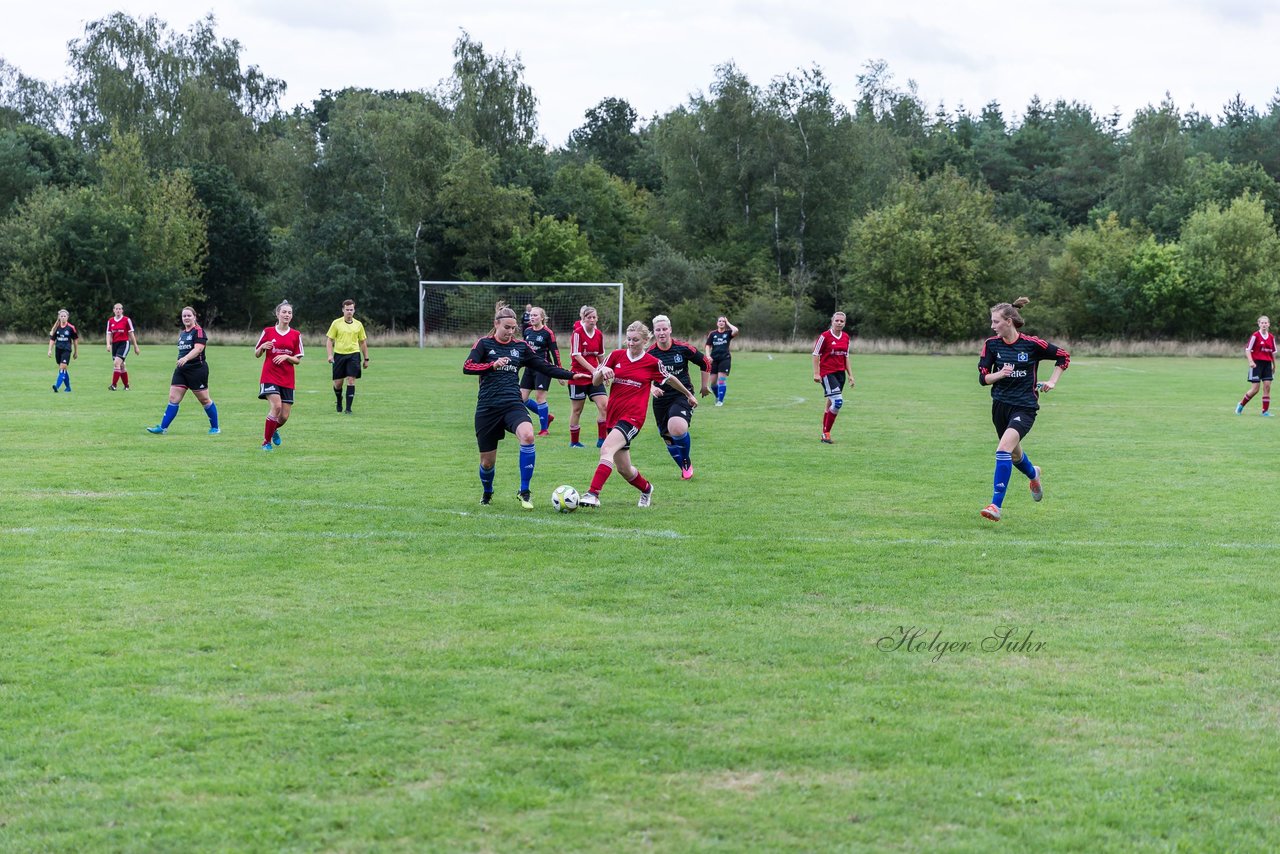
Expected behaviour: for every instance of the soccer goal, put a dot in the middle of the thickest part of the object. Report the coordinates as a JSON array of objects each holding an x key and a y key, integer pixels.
[{"x": 455, "y": 314}]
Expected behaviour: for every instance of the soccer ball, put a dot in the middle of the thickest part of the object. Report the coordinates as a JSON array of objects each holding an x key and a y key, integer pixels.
[{"x": 565, "y": 498}]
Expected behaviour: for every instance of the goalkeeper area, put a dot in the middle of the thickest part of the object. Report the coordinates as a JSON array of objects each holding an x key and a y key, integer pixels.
[{"x": 455, "y": 314}]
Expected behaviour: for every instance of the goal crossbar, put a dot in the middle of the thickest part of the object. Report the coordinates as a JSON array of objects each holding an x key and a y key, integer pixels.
[{"x": 423, "y": 284}]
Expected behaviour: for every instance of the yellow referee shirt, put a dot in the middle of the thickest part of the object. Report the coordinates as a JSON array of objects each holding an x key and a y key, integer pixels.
[{"x": 346, "y": 336}]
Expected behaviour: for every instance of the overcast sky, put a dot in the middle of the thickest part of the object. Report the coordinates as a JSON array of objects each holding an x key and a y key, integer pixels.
[{"x": 1113, "y": 55}]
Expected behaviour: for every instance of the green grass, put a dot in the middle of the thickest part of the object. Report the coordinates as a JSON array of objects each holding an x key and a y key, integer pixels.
[{"x": 332, "y": 646}]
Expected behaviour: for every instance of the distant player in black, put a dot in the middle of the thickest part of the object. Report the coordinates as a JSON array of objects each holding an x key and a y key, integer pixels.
[
  {"x": 497, "y": 359},
  {"x": 718, "y": 353},
  {"x": 64, "y": 345},
  {"x": 1008, "y": 364},
  {"x": 672, "y": 411},
  {"x": 542, "y": 341},
  {"x": 191, "y": 372}
]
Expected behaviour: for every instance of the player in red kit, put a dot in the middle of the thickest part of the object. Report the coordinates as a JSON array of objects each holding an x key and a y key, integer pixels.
[
  {"x": 120, "y": 336},
  {"x": 586, "y": 348},
  {"x": 831, "y": 370},
  {"x": 632, "y": 372},
  {"x": 282, "y": 347},
  {"x": 1261, "y": 353}
]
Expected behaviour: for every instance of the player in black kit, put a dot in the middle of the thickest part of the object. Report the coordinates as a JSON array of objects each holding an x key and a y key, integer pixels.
[
  {"x": 718, "y": 352},
  {"x": 497, "y": 359},
  {"x": 672, "y": 411},
  {"x": 1008, "y": 364},
  {"x": 542, "y": 340}
]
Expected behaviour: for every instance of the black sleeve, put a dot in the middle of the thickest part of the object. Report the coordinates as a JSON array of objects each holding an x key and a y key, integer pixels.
[
  {"x": 532, "y": 360},
  {"x": 986, "y": 361}
]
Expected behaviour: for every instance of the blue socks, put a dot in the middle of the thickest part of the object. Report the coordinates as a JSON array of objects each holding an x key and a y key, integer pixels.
[
  {"x": 676, "y": 452},
  {"x": 683, "y": 443},
  {"x": 170, "y": 413},
  {"x": 544, "y": 415},
  {"x": 212, "y": 411},
  {"x": 1004, "y": 468},
  {"x": 532, "y": 406},
  {"x": 486, "y": 479},
  {"x": 720, "y": 390},
  {"x": 527, "y": 455},
  {"x": 1024, "y": 465},
  {"x": 64, "y": 379}
]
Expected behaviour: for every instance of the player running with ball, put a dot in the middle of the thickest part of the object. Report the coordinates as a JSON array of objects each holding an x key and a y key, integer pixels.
[
  {"x": 497, "y": 359},
  {"x": 632, "y": 372}
]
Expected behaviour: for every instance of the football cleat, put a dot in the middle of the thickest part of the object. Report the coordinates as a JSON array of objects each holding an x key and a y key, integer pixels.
[
  {"x": 339, "y": 406},
  {"x": 576, "y": 445},
  {"x": 111, "y": 388},
  {"x": 1037, "y": 492},
  {"x": 551, "y": 416},
  {"x": 266, "y": 446},
  {"x": 1239, "y": 408},
  {"x": 158, "y": 430},
  {"x": 991, "y": 512},
  {"x": 588, "y": 499},
  {"x": 543, "y": 433},
  {"x": 686, "y": 470},
  {"x": 1266, "y": 414},
  {"x": 213, "y": 431},
  {"x": 126, "y": 388},
  {"x": 55, "y": 389},
  {"x": 719, "y": 403},
  {"x": 275, "y": 438},
  {"x": 826, "y": 438},
  {"x": 486, "y": 497},
  {"x": 646, "y": 497},
  {"x": 526, "y": 500}
]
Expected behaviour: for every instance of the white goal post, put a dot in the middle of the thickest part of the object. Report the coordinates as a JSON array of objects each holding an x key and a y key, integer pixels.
[{"x": 456, "y": 312}]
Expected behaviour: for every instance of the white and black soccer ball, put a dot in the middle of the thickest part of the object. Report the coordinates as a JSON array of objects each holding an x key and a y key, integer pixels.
[{"x": 565, "y": 499}]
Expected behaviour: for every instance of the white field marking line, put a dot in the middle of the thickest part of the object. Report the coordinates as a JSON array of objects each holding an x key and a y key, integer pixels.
[
  {"x": 795, "y": 401},
  {"x": 630, "y": 533}
]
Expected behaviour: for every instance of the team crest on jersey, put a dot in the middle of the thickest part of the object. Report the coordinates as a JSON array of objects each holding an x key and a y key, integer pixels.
[
  {"x": 1022, "y": 357},
  {"x": 515, "y": 354}
]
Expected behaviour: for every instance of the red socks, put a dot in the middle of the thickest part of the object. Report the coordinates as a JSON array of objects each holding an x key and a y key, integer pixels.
[
  {"x": 574, "y": 433},
  {"x": 600, "y": 431},
  {"x": 115, "y": 378},
  {"x": 602, "y": 474},
  {"x": 269, "y": 429},
  {"x": 828, "y": 419},
  {"x": 639, "y": 482}
]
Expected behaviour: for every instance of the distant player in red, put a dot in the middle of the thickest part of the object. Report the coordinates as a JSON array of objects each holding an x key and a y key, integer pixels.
[
  {"x": 1261, "y": 353},
  {"x": 632, "y": 372},
  {"x": 283, "y": 349},
  {"x": 585, "y": 349},
  {"x": 831, "y": 370},
  {"x": 120, "y": 335}
]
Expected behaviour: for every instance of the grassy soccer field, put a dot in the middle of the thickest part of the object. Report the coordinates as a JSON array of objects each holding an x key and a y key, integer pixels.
[{"x": 333, "y": 646}]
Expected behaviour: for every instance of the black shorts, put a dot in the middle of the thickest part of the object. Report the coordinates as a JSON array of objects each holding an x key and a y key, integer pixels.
[
  {"x": 629, "y": 432},
  {"x": 671, "y": 405},
  {"x": 119, "y": 350},
  {"x": 62, "y": 357},
  {"x": 1004, "y": 416},
  {"x": 721, "y": 365},
  {"x": 582, "y": 392},
  {"x": 492, "y": 424},
  {"x": 346, "y": 365},
  {"x": 1262, "y": 372},
  {"x": 192, "y": 376},
  {"x": 534, "y": 380},
  {"x": 833, "y": 384},
  {"x": 286, "y": 394}
]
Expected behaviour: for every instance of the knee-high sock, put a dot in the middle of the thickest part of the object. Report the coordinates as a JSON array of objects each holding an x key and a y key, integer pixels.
[
  {"x": 486, "y": 479},
  {"x": 639, "y": 482},
  {"x": 1024, "y": 465},
  {"x": 170, "y": 413},
  {"x": 1000, "y": 483},
  {"x": 527, "y": 456},
  {"x": 269, "y": 427},
  {"x": 676, "y": 452},
  {"x": 351, "y": 396},
  {"x": 721, "y": 387},
  {"x": 602, "y": 474},
  {"x": 212, "y": 411},
  {"x": 532, "y": 406},
  {"x": 684, "y": 443}
]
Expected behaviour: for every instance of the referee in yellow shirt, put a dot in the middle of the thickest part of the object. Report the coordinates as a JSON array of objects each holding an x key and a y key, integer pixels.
[{"x": 345, "y": 345}]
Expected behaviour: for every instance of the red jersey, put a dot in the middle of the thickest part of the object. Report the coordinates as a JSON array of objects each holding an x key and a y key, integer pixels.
[
  {"x": 629, "y": 394},
  {"x": 589, "y": 347},
  {"x": 283, "y": 344},
  {"x": 1262, "y": 348},
  {"x": 119, "y": 329},
  {"x": 832, "y": 351}
]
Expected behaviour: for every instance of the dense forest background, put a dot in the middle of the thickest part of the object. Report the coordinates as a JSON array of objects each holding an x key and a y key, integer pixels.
[{"x": 162, "y": 172}]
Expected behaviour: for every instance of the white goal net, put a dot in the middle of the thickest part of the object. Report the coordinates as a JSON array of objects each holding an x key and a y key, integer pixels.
[{"x": 455, "y": 314}]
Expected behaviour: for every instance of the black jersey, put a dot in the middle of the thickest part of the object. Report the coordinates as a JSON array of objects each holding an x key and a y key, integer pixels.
[
  {"x": 187, "y": 340},
  {"x": 719, "y": 343},
  {"x": 62, "y": 336},
  {"x": 501, "y": 386},
  {"x": 543, "y": 342},
  {"x": 1019, "y": 388},
  {"x": 677, "y": 359}
]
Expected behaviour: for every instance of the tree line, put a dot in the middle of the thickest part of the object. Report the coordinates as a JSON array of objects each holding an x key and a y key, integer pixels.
[{"x": 163, "y": 172}]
